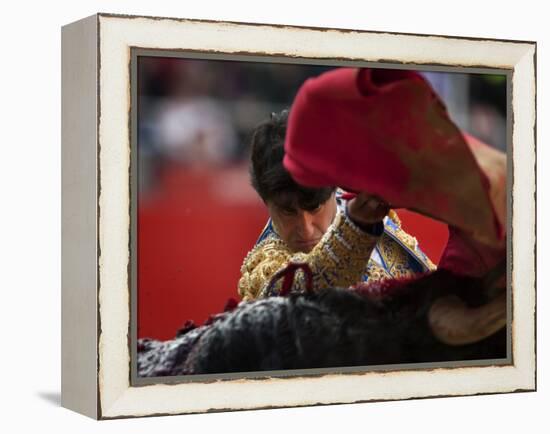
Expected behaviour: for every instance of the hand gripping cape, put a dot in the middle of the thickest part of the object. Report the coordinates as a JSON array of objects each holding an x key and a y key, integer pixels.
[{"x": 386, "y": 132}]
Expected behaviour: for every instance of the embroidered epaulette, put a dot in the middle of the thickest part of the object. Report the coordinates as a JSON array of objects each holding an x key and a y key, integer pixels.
[{"x": 407, "y": 241}]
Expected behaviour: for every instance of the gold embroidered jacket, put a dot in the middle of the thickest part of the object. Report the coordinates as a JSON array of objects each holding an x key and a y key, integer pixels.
[{"x": 345, "y": 256}]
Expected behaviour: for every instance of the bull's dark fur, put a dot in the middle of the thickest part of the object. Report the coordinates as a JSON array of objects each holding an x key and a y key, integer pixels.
[{"x": 380, "y": 323}]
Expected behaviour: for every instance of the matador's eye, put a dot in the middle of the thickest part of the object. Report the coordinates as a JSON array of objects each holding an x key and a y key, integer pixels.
[
  {"x": 315, "y": 209},
  {"x": 287, "y": 212}
]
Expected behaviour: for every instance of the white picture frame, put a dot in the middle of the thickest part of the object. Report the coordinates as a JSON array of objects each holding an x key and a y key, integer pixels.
[{"x": 96, "y": 211}]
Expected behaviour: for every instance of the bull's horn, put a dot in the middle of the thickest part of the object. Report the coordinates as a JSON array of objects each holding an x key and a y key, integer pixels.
[{"x": 454, "y": 323}]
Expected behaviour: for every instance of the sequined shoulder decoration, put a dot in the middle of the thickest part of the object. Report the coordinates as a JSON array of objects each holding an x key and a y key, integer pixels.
[{"x": 407, "y": 241}]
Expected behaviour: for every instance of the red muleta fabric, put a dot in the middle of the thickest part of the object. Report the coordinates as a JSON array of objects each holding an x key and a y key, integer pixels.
[{"x": 386, "y": 132}]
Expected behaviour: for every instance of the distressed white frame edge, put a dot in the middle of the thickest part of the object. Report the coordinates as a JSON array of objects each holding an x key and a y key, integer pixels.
[
  {"x": 79, "y": 368},
  {"x": 116, "y": 35}
]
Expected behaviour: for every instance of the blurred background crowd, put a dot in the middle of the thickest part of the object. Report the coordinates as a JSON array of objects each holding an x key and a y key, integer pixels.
[{"x": 198, "y": 216}]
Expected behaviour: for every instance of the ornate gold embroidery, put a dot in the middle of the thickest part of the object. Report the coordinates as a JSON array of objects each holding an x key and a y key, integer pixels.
[
  {"x": 260, "y": 264},
  {"x": 411, "y": 243},
  {"x": 395, "y": 258},
  {"x": 376, "y": 272},
  {"x": 337, "y": 260},
  {"x": 393, "y": 215}
]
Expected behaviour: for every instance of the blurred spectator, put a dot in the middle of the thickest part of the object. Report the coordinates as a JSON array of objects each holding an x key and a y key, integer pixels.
[{"x": 196, "y": 131}]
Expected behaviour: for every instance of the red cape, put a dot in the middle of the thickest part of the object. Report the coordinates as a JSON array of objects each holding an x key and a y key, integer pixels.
[{"x": 386, "y": 132}]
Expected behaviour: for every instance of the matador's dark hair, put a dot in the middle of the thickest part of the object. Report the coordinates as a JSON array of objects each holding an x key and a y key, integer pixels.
[{"x": 267, "y": 173}]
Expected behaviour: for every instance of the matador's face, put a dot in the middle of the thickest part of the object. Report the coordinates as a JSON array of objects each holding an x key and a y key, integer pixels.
[{"x": 302, "y": 229}]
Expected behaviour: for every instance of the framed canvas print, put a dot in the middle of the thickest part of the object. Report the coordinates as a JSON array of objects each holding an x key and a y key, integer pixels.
[{"x": 260, "y": 216}]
